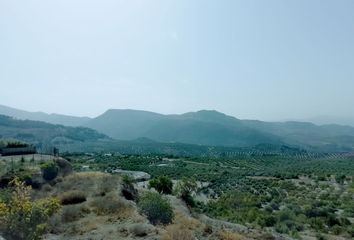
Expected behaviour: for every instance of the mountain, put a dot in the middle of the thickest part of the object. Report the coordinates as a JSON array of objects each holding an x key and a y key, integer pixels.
[
  {"x": 45, "y": 135},
  {"x": 210, "y": 128},
  {"x": 44, "y": 117},
  {"x": 124, "y": 124},
  {"x": 323, "y": 120},
  {"x": 217, "y": 129},
  {"x": 203, "y": 127}
]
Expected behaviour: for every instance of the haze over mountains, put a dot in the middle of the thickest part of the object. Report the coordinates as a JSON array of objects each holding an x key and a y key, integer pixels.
[
  {"x": 202, "y": 128},
  {"x": 44, "y": 117}
]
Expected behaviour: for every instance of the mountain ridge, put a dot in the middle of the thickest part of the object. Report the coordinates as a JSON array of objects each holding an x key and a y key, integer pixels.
[
  {"x": 52, "y": 118},
  {"x": 210, "y": 127}
]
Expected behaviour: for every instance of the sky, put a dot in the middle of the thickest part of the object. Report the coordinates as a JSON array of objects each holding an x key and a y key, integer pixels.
[{"x": 253, "y": 59}]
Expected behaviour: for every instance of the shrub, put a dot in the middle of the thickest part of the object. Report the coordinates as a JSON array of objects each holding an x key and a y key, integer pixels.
[
  {"x": 157, "y": 208},
  {"x": 49, "y": 170},
  {"x": 127, "y": 179},
  {"x": 72, "y": 213},
  {"x": 64, "y": 165},
  {"x": 162, "y": 184},
  {"x": 22, "y": 218},
  {"x": 109, "y": 204},
  {"x": 184, "y": 189},
  {"x": 72, "y": 197}
]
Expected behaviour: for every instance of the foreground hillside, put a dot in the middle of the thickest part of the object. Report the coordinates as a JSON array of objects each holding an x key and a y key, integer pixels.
[
  {"x": 99, "y": 196},
  {"x": 96, "y": 205},
  {"x": 299, "y": 196}
]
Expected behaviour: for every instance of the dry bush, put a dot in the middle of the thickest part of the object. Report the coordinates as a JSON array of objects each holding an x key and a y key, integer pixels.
[
  {"x": 72, "y": 197},
  {"x": 177, "y": 232},
  {"x": 110, "y": 204},
  {"x": 226, "y": 235},
  {"x": 65, "y": 166},
  {"x": 188, "y": 222},
  {"x": 73, "y": 213},
  {"x": 140, "y": 229},
  {"x": 46, "y": 187}
]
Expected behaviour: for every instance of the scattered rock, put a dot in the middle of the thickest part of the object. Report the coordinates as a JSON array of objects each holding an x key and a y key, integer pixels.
[{"x": 136, "y": 175}]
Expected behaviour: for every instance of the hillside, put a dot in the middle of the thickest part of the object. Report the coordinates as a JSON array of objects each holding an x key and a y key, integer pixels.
[
  {"x": 203, "y": 127},
  {"x": 217, "y": 129},
  {"x": 328, "y": 137},
  {"x": 46, "y": 135},
  {"x": 210, "y": 128},
  {"x": 44, "y": 117}
]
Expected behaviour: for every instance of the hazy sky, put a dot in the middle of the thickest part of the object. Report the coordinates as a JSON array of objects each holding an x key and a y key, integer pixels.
[{"x": 251, "y": 59}]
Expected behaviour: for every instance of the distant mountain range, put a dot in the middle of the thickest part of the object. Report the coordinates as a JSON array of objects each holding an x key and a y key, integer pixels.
[
  {"x": 45, "y": 135},
  {"x": 203, "y": 128},
  {"x": 44, "y": 117}
]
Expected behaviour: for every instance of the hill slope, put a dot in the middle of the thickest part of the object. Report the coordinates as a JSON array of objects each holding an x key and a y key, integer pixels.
[
  {"x": 44, "y": 117},
  {"x": 46, "y": 135},
  {"x": 214, "y": 128},
  {"x": 203, "y": 127}
]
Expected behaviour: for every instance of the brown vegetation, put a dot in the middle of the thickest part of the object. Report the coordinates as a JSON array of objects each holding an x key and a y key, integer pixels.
[{"x": 72, "y": 197}]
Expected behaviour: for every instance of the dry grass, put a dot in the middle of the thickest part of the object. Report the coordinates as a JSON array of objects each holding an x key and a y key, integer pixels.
[
  {"x": 73, "y": 213},
  {"x": 188, "y": 222},
  {"x": 92, "y": 183},
  {"x": 140, "y": 229},
  {"x": 177, "y": 232},
  {"x": 226, "y": 235},
  {"x": 111, "y": 204},
  {"x": 88, "y": 226},
  {"x": 183, "y": 228}
]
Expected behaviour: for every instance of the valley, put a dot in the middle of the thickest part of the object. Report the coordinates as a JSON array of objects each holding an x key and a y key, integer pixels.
[{"x": 261, "y": 181}]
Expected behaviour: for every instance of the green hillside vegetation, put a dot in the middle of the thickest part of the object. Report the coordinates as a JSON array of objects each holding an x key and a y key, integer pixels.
[
  {"x": 297, "y": 195},
  {"x": 91, "y": 205}
]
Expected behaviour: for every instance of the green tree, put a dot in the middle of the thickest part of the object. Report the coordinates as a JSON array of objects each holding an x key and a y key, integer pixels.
[
  {"x": 162, "y": 184},
  {"x": 49, "y": 170},
  {"x": 184, "y": 189}
]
